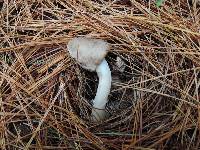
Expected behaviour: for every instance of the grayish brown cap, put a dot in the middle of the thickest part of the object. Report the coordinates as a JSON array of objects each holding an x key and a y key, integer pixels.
[{"x": 88, "y": 52}]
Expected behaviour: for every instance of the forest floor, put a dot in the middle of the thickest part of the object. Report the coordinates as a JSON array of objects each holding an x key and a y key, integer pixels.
[{"x": 45, "y": 96}]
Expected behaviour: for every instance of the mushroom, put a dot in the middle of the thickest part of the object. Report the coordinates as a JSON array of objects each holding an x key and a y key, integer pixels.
[{"x": 90, "y": 53}]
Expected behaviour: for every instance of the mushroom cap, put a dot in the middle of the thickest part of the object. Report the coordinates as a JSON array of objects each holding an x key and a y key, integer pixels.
[{"x": 88, "y": 52}]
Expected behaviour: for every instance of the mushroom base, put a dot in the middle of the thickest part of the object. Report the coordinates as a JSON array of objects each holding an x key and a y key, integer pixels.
[{"x": 98, "y": 114}]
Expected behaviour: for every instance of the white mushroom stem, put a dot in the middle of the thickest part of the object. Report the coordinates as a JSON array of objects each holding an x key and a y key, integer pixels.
[{"x": 103, "y": 90}]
